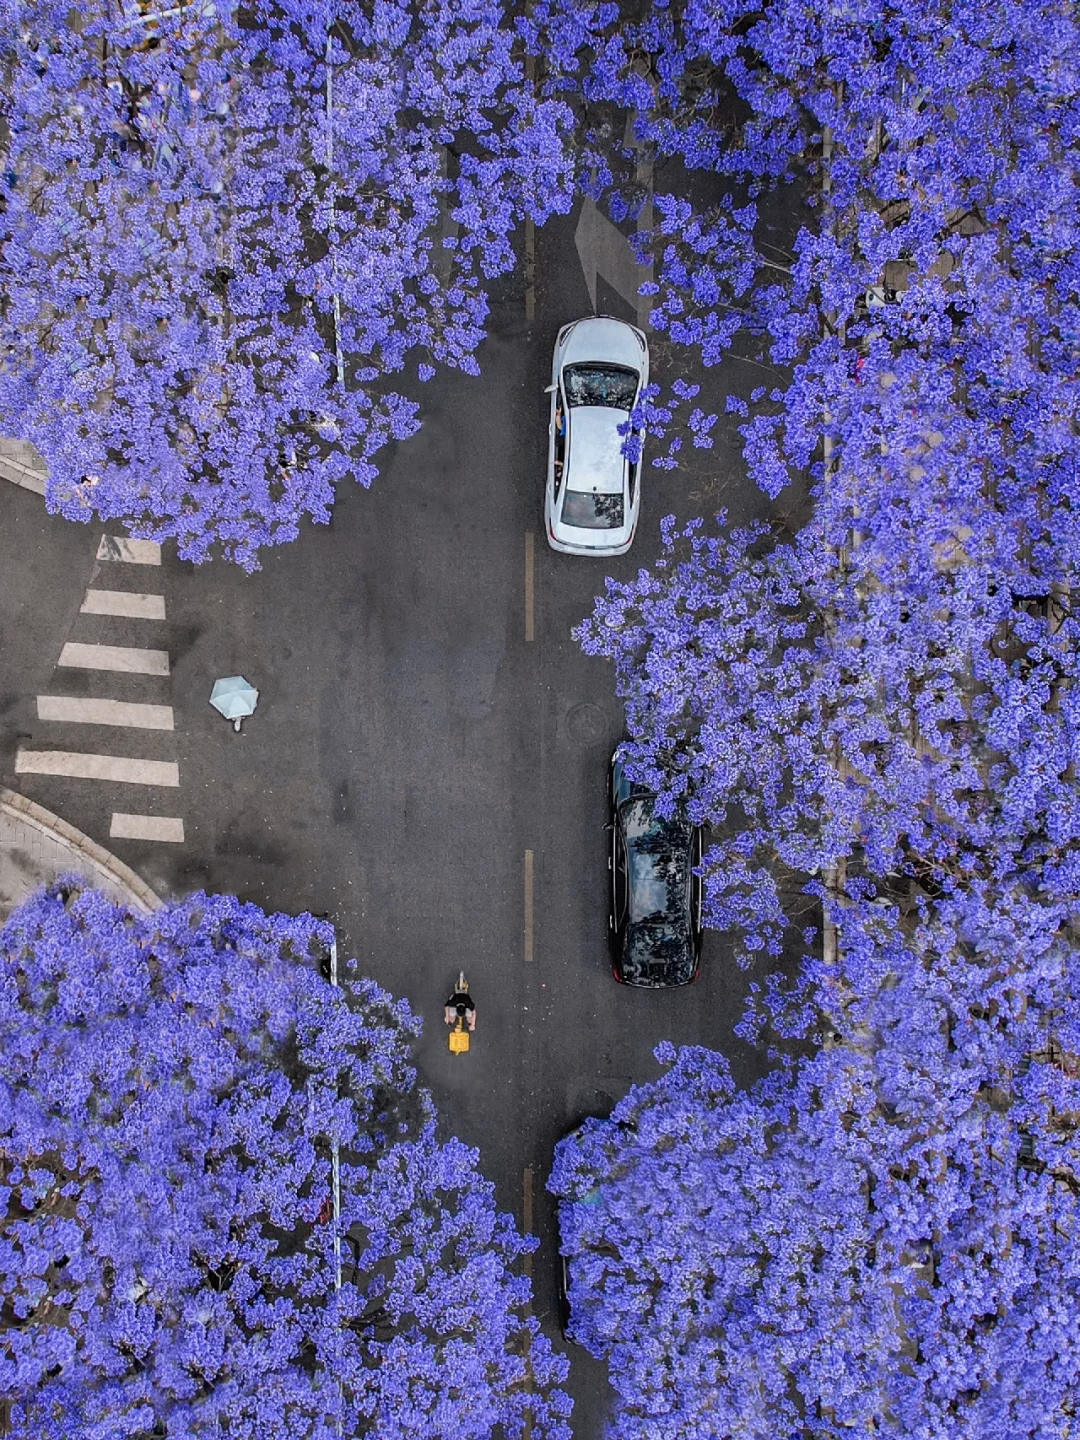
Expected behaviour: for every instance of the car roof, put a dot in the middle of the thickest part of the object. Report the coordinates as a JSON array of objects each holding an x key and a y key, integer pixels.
[
  {"x": 597, "y": 464},
  {"x": 657, "y": 948}
]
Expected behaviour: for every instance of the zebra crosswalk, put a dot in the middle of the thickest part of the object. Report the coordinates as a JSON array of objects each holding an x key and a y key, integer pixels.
[{"x": 132, "y": 673}]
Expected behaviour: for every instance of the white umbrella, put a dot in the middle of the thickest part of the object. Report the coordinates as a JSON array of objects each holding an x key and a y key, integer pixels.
[{"x": 234, "y": 698}]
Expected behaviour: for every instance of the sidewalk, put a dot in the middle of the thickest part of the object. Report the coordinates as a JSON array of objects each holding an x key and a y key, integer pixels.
[
  {"x": 22, "y": 465},
  {"x": 37, "y": 846}
]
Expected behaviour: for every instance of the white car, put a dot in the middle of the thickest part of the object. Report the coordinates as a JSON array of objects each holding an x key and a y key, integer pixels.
[{"x": 593, "y": 495}]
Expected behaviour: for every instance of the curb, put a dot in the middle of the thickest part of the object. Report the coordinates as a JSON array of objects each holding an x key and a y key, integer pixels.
[
  {"x": 22, "y": 465},
  {"x": 140, "y": 895},
  {"x": 21, "y": 475}
]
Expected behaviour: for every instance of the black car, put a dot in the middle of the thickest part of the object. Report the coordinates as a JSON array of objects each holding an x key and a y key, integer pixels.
[
  {"x": 655, "y": 915},
  {"x": 562, "y": 1274},
  {"x": 562, "y": 1297}
]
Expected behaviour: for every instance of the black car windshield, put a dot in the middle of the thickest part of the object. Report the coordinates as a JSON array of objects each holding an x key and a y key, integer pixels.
[
  {"x": 658, "y": 854},
  {"x": 592, "y": 512},
  {"x": 599, "y": 384}
]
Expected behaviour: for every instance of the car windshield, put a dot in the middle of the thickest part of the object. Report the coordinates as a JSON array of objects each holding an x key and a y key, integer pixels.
[
  {"x": 598, "y": 384},
  {"x": 658, "y": 857},
  {"x": 592, "y": 512}
]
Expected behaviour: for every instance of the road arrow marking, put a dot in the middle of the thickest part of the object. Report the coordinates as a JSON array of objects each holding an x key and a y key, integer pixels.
[{"x": 604, "y": 250}]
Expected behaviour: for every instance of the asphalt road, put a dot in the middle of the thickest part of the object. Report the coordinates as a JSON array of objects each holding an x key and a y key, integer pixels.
[
  {"x": 411, "y": 746},
  {"x": 45, "y": 566}
]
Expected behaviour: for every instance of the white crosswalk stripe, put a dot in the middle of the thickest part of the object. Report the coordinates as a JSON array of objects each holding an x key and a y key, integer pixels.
[
  {"x": 147, "y": 827},
  {"x": 124, "y": 602},
  {"x": 131, "y": 552},
  {"x": 97, "y": 767},
  {"x": 104, "y": 712},
  {"x": 126, "y": 658}
]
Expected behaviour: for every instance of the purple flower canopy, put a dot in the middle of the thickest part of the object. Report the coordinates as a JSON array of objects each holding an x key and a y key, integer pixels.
[
  {"x": 879, "y": 1236},
  {"x": 896, "y": 685},
  {"x": 200, "y": 237},
  {"x": 882, "y": 1234},
  {"x": 223, "y": 235},
  {"x": 813, "y": 717},
  {"x": 172, "y": 1088},
  {"x": 932, "y": 150},
  {"x": 221, "y": 239}
]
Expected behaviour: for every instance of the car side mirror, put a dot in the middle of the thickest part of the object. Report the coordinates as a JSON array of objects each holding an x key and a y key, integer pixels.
[{"x": 550, "y": 389}]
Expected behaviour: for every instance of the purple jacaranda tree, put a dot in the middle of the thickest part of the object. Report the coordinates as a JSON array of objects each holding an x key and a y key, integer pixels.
[
  {"x": 894, "y": 687},
  {"x": 930, "y": 153},
  {"x": 226, "y": 230},
  {"x": 172, "y": 1092},
  {"x": 878, "y": 1238},
  {"x": 927, "y": 732}
]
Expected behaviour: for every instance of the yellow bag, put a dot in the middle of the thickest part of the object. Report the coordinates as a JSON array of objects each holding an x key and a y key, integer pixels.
[{"x": 459, "y": 1041}]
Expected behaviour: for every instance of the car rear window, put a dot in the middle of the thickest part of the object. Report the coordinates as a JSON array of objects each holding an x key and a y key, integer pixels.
[
  {"x": 592, "y": 512},
  {"x": 599, "y": 384}
]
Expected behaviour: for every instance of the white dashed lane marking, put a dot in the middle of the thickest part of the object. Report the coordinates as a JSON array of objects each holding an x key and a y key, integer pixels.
[
  {"x": 146, "y": 827},
  {"x": 104, "y": 712},
  {"x": 530, "y": 584},
  {"x": 78, "y": 766},
  {"x": 124, "y": 602},
  {"x": 126, "y": 658},
  {"x": 529, "y": 893}
]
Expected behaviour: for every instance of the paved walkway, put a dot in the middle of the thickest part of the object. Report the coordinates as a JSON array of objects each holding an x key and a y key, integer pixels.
[
  {"x": 22, "y": 465},
  {"x": 37, "y": 846}
]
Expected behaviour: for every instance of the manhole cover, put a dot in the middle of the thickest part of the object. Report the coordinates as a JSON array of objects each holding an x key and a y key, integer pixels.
[{"x": 586, "y": 723}]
